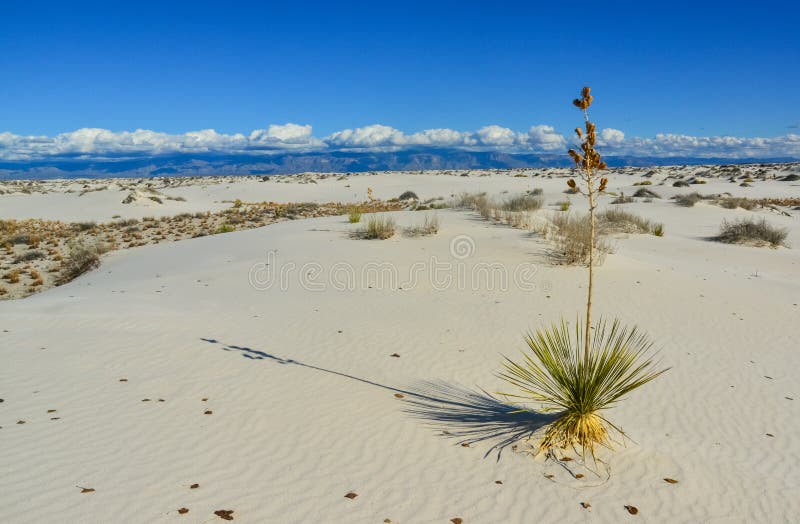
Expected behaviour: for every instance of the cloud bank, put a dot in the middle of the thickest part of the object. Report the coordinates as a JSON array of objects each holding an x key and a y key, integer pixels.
[{"x": 93, "y": 143}]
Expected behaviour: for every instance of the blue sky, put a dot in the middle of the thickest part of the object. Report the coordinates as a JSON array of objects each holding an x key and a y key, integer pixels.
[{"x": 694, "y": 69}]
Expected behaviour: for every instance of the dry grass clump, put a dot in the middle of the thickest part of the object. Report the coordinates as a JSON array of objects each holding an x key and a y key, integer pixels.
[
  {"x": 429, "y": 226},
  {"x": 736, "y": 202},
  {"x": 80, "y": 258},
  {"x": 572, "y": 238},
  {"x": 644, "y": 183},
  {"x": 470, "y": 201},
  {"x": 751, "y": 231},
  {"x": 377, "y": 227},
  {"x": 689, "y": 200},
  {"x": 519, "y": 203},
  {"x": 646, "y": 193},
  {"x": 619, "y": 221},
  {"x": 622, "y": 199}
]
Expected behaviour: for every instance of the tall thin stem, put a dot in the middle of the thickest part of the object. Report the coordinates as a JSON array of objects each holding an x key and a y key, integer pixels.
[{"x": 591, "y": 257}]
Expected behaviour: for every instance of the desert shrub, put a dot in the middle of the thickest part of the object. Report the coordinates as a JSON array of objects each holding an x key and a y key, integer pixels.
[
  {"x": 354, "y": 215},
  {"x": 225, "y": 228},
  {"x": 469, "y": 200},
  {"x": 156, "y": 199},
  {"x": 378, "y": 227},
  {"x": 81, "y": 257},
  {"x": 618, "y": 221},
  {"x": 536, "y": 192},
  {"x": 28, "y": 256},
  {"x": 658, "y": 230},
  {"x": 572, "y": 240},
  {"x": 644, "y": 183},
  {"x": 689, "y": 200},
  {"x": 408, "y": 195},
  {"x": 564, "y": 206},
  {"x": 734, "y": 202},
  {"x": 84, "y": 226},
  {"x": 751, "y": 231},
  {"x": 680, "y": 183},
  {"x": 519, "y": 203},
  {"x": 237, "y": 203},
  {"x": 429, "y": 226},
  {"x": 622, "y": 199},
  {"x": 646, "y": 193}
]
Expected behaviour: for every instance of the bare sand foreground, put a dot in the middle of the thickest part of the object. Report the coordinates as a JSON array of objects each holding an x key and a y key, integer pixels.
[{"x": 273, "y": 371}]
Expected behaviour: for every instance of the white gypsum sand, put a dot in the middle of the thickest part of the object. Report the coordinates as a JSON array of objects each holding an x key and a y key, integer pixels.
[{"x": 301, "y": 382}]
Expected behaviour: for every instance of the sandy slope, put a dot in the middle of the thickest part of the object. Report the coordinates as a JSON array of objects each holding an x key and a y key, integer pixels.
[{"x": 302, "y": 386}]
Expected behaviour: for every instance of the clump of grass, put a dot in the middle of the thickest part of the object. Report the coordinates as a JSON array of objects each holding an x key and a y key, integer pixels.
[
  {"x": 536, "y": 192},
  {"x": 470, "y": 200},
  {"x": 646, "y": 193},
  {"x": 429, "y": 226},
  {"x": 750, "y": 231},
  {"x": 237, "y": 203},
  {"x": 408, "y": 195},
  {"x": 354, "y": 215},
  {"x": 658, "y": 230},
  {"x": 619, "y": 221},
  {"x": 519, "y": 203},
  {"x": 644, "y": 183},
  {"x": 378, "y": 227},
  {"x": 81, "y": 257},
  {"x": 29, "y": 256},
  {"x": 689, "y": 200},
  {"x": 622, "y": 199},
  {"x": 734, "y": 202},
  {"x": 564, "y": 206},
  {"x": 225, "y": 228},
  {"x": 572, "y": 237}
]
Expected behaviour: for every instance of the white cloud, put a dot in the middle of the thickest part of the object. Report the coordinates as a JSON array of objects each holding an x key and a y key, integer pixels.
[
  {"x": 611, "y": 136},
  {"x": 497, "y": 136},
  {"x": 284, "y": 135},
  {"x": 102, "y": 143},
  {"x": 545, "y": 138},
  {"x": 367, "y": 137}
]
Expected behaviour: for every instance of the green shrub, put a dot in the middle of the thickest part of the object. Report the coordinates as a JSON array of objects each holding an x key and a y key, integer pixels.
[
  {"x": 579, "y": 389},
  {"x": 354, "y": 215}
]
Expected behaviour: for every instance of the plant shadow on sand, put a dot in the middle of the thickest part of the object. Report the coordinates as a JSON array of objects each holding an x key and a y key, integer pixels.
[{"x": 468, "y": 415}]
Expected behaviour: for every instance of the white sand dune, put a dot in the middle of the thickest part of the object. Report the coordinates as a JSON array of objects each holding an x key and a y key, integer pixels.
[{"x": 302, "y": 385}]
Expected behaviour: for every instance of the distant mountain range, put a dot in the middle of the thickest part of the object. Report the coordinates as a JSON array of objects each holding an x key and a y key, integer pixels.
[{"x": 339, "y": 161}]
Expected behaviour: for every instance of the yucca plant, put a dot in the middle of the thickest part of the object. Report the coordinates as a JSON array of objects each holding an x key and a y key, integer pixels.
[{"x": 574, "y": 372}]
